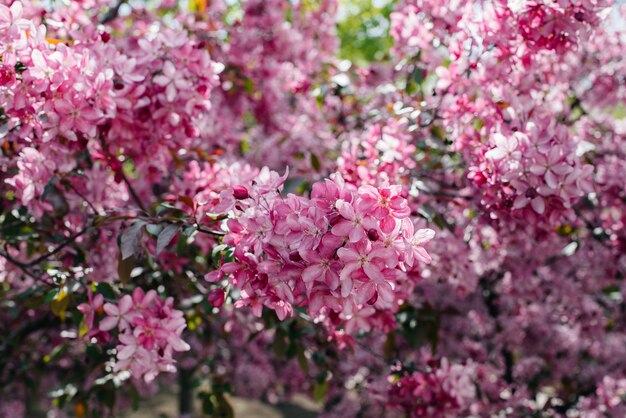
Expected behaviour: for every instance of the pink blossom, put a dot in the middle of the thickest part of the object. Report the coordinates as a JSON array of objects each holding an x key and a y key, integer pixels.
[
  {"x": 355, "y": 222},
  {"x": 119, "y": 316},
  {"x": 90, "y": 307},
  {"x": 505, "y": 148},
  {"x": 172, "y": 80}
]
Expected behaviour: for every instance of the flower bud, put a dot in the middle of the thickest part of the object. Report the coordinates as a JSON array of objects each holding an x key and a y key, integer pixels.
[
  {"x": 531, "y": 193},
  {"x": 240, "y": 192},
  {"x": 216, "y": 298},
  {"x": 372, "y": 234},
  {"x": 7, "y": 74},
  {"x": 373, "y": 299},
  {"x": 295, "y": 256}
]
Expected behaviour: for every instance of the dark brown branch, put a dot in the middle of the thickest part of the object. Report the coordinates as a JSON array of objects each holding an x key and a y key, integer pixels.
[
  {"x": 22, "y": 266},
  {"x": 132, "y": 191},
  {"x": 25, "y": 266},
  {"x": 112, "y": 13},
  {"x": 64, "y": 244},
  {"x": 214, "y": 233},
  {"x": 91, "y": 206}
]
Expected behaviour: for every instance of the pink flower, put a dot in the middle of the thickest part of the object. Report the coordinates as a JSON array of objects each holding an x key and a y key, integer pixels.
[
  {"x": 143, "y": 300},
  {"x": 552, "y": 167},
  {"x": 385, "y": 204},
  {"x": 505, "y": 148},
  {"x": 120, "y": 315},
  {"x": 363, "y": 258},
  {"x": 35, "y": 171},
  {"x": 172, "y": 80},
  {"x": 322, "y": 268},
  {"x": 269, "y": 181},
  {"x": 11, "y": 19},
  {"x": 534, "y": 196},
  {"x": 90, "y": 308},
  {"x": 325, "y": 194},
  {"x": 414, "y": 245},
  {"x": 148, "y": 331},
  {"x": 75, "y": 114},
  {"x": 355, "y": 222}
]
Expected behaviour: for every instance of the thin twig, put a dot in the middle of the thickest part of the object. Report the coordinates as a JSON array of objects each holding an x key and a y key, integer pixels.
[
  {"x": 23, "y": 266},
  {"x": 132, "y": 191},
  {"x": 93, "y": 208},
  {"x": 64, "y": 244},
  {"x": 208, "y": 231},
  {"x": 31, "y": 263}
]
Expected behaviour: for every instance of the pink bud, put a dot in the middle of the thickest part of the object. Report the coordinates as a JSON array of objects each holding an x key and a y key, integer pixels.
[
  {"x": 216, "y": 298},
  {"x": 372, "y": 234},
  {"x": 7, "y": 74},
  {"x": 295, "y": 256},
  {"x": 373, "y": 299},
  {"x": 240, "y": 192}
]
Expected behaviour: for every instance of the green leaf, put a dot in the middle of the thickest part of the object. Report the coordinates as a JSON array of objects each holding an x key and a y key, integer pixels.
[
  {"x": 134, "y": 397},
  {"x": 20, "y": 67},
  {"x": 315, "y": 162},
  {"x": 207, "y": 403},
  {"x": 225, "y": 410},
  {"x": 438, "y": 132},
  {"x": 280, "y": 343},
  {"x": 106, "y": 394},
  {"x": 418, "y": 75},
  {"x": 320, "y": 390},
  {"x": 244, "y": 147},
  {"x": 106, "y": 290},
  {"x": 478, "y": 124},
  {"x": 363, "y": 31},
  {"x": 302, "y": 360},
  {"x": 248, "y": 86},
  {"x": 189, "y": 230},
  {"x": 51, "y": 295}
]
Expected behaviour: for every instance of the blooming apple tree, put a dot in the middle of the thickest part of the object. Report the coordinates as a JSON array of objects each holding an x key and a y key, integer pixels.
[{"x": 399, "y": 209}]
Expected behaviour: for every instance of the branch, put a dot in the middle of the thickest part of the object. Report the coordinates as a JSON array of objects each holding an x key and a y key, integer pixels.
[
  {"x": 25, "y": 266},
  {"x": 64, "y": 244},
  {"x": 112, "y": 13},
  {"x": 91, "y": 206},
  {"x": 22, "y": 266},
  {"x": 209, "y": 232},
  {"x": 132, "y": 191}
]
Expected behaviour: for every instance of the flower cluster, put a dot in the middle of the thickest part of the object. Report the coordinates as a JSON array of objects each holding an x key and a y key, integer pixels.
[
  {"x": 538, "y": 170},
  {"x": 132, "y": 136},
  {"x": 340, "y": 253},
  {"x": 67, "y": 96},
  {"x": 384, "y": 153},
  {"x": 607, "y": 401},
  {"x": 148, "y": 331},
  {"x": 514, "y": 28},
  {"x": 443, "y": 390}
]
